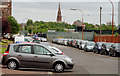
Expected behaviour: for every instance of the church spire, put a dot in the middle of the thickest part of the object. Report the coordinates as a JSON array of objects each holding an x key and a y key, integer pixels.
[{"x": 59, "y": 17}]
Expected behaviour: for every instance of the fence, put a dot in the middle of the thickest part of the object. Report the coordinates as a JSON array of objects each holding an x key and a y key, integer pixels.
[
  {"x": 74, "y": 35},
  {"x": 107, "y": 38}
]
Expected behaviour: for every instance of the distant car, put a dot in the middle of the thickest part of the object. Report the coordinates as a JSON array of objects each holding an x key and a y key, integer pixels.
[
  {"x": 82, "y": 44},
  {"x": 114, "y": 50},
  {"x": 35, "y": 55},
  {"x": 89, "y": 46},
  {"x": 65, "y": 42},
  {"x": 56, "y": 49},
  {"x": 78, "y": 43},
  {"x": 70, "y": 42},
  {"x": 97, "y": 47},
  {"x": 41, "y": 38},
  {"x": 105, "y": 48},
  {"x": 28, "y": 39},
  {"x": 36, "y": 41}
]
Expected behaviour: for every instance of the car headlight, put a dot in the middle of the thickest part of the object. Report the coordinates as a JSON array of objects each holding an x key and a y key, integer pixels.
[{"x": 69, "y": 60}]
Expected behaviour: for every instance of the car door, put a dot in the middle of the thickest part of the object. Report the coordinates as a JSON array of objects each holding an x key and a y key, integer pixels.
[
  {"x": 23, "y": 54},
  {"x": 42, "y": 57}
]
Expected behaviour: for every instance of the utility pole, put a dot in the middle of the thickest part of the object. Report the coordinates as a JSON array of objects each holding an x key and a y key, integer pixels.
[
  {"x": 100, "y": 25},
  {"x": 112, "y": 17}
]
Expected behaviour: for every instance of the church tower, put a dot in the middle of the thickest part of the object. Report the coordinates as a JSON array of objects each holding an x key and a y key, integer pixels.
[{"x": 59, "y": 17}]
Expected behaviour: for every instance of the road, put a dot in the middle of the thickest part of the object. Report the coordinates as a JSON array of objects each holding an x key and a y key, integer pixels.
[{"x": 85, "y": 63}]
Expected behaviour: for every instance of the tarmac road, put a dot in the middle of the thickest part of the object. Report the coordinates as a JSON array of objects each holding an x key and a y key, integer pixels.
[{"x": 85, "y": 63}]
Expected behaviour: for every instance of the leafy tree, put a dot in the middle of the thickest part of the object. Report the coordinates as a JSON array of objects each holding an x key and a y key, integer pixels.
[
  {"x": 29, "y": 22},
  {"x": 15, "y": 27}
]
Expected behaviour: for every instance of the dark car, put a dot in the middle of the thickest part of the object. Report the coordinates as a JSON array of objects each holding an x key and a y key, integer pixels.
[
  {"x": 35, "y": 55},
  {"x": 115, "y": 50},
  {"x": 105, "y": 48},
  {"x": 97, "y": 47},
  {"x": 89, "y": 46}
]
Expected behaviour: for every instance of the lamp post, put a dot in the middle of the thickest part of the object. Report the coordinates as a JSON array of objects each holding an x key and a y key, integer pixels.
[
  {"x": 100, "y": 24},
  {"x": 67, "y": 24},
  {"x": 82, "y": 19},
  {"x": 112, "y": 17}
]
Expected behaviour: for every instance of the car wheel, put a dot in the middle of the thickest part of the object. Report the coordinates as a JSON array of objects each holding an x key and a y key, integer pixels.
[
  {"x": 12, "y": 65},
  {"x": 114, "y": 53},
  {"x": 59, "y": 67},
  {"x": 109, "y": 53},
  {"x": 101, "y": 52}
]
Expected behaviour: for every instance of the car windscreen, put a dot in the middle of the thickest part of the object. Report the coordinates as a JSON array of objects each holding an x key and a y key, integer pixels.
[{"x": 90, "y": 44}]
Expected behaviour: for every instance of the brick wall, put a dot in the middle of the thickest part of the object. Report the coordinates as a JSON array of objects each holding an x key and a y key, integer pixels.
[{"x": 107, "y": 38}]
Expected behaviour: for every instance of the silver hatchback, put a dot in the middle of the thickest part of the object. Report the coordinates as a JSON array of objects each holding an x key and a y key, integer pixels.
[{"x": 35, "y": 55}]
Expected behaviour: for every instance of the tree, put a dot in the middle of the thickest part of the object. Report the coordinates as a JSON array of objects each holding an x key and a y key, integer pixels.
[
  {"x": 29, "y": 22},
  {"x": 5, "y": 26},
  {"x": 15, "y": 27}
]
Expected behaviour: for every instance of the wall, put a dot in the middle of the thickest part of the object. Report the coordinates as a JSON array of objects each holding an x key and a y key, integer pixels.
[
  {"x": 73, "y": 35},
  {"x": 107, "y": 38}
]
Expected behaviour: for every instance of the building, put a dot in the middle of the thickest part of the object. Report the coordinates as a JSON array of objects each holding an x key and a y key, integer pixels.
[
  {"x": 119, "y": 13},
  {"x": 59, "y": 17},
  {"x": 79, "y": 25},
  {"x": 5, "y": 8}
]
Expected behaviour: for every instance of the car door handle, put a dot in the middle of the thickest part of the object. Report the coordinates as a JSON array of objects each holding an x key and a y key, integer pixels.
[
  {"x": 19, "y": 55},
  {"x": 35, "y": 56}
]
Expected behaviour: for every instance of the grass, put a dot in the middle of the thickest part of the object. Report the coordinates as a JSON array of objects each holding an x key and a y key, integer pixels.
[
  {"x": 2, "y": 50},
  {"x": 4, "y": 43}
]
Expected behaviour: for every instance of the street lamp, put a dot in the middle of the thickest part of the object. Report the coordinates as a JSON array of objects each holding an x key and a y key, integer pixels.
[
  {"x": 100, "y": 24},
  {"x": 82, "y": 19},
  {"x": 112, "y": 17},
  {"x": 66, "y": 23}
]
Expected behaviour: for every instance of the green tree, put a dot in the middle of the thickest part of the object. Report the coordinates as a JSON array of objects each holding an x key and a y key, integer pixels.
[
  {"x": 15, "y": 27},
  {"x": 29, "y": 22}
]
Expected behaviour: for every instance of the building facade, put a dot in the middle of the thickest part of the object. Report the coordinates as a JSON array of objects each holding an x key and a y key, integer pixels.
[
  {"x": 59, "y": 16},
  {"x": 5, "y": 8}
]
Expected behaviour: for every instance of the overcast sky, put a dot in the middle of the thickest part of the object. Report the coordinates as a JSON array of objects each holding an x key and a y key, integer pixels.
[{"x": 47, "y": 11}]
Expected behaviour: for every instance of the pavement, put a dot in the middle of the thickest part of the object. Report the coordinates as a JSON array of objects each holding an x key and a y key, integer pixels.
[{"x": 85, "y": 63}]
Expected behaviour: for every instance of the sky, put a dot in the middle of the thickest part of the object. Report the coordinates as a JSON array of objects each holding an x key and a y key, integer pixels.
[{"x": 47, "y": 10}]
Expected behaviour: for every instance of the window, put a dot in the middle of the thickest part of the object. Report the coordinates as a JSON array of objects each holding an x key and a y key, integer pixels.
[
  {"x": 15, "y": 48},
  {"x": 40, "y": 50},
  {"x": 24, "y": 49}
]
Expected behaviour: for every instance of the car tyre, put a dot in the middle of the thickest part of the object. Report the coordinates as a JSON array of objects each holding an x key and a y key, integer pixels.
[
  {"x": 59, "y": 67},
  {"x": 114, "y": 53},
  {"x": 101, "y": 52},
  {"x": 12, "y": 65}
]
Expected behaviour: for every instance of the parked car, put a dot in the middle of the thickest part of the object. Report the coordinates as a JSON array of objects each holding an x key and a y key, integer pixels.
[
  {"x": 105, "y": 48},
  {"x": 114, "y": 50},
  {"x": 35, "y": 55},
  {"x": 65, "y": 42},
  {"x": 28, "y": 39},
  {"x": 41, "y": 39},
  {"x": 89, "y": 46},
  {"x": 82, "y": 44},
  {"x": 56, "y": 49},
  {"x": 97, "y": 47},
  {"x": 78, "y": 43},
  {"x": 70, "y": 42},
  {"x": 36, "y": 41}
]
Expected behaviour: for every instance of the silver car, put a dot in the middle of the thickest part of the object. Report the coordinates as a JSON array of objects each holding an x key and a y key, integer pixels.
[{"x": 35, "y": 55}]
